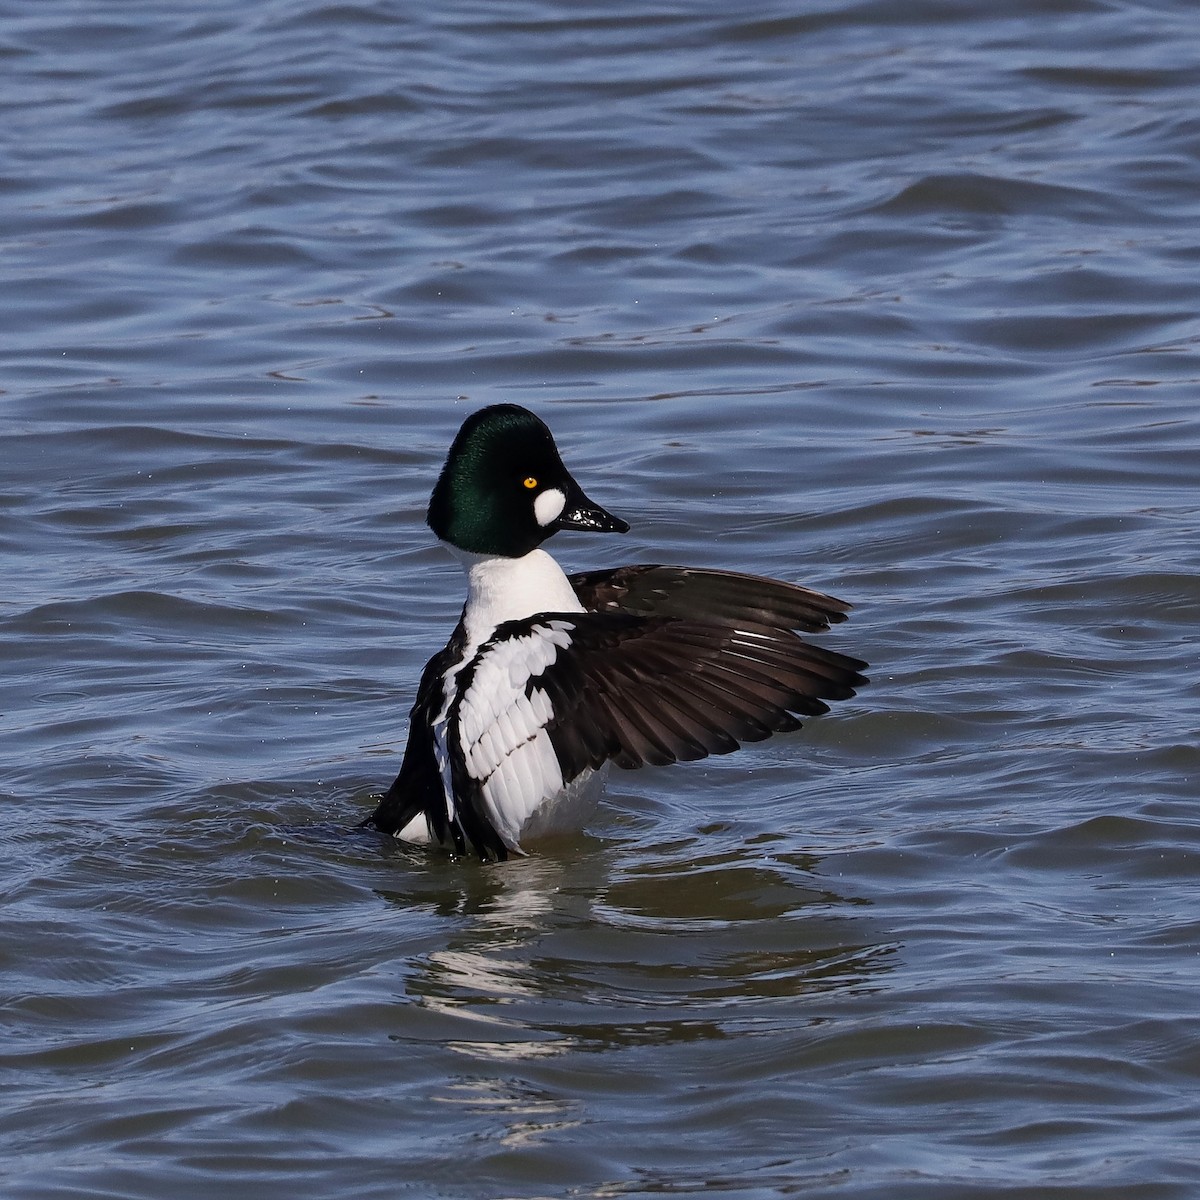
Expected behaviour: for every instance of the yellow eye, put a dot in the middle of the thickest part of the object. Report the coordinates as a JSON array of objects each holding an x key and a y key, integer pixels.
[{"x": 530, "y": 482}]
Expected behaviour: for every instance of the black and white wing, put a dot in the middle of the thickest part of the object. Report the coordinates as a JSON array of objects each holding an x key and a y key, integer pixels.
[
  {"x": 502, "y": 760},
  {"x": 726, "y": 597},
  {"x": 500, "y": 764},
  {"x": 655, "y": 690}
]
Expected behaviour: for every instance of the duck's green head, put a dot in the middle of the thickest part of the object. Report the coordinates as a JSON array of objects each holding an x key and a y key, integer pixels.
[{"x": 504, "y": 490}]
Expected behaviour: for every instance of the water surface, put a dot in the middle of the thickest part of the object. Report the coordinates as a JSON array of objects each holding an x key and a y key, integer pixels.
[{"x": 896, "y": 301}]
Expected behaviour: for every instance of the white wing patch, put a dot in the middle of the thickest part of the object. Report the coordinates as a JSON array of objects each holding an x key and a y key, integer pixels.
[{"x": 502, "y": 730}]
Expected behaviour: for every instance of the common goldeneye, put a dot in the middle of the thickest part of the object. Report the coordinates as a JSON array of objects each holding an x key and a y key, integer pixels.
[{"x": 548, "y": 678}]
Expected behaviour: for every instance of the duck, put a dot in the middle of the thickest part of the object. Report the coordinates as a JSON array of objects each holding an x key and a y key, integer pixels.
[{"x": 549, "y": 679}]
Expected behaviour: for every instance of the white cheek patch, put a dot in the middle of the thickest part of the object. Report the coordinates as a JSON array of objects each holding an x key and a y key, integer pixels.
[{"x": 549, "y": 505}]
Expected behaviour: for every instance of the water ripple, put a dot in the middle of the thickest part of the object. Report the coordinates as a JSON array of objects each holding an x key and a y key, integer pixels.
[{"x": 897, "y": 301}]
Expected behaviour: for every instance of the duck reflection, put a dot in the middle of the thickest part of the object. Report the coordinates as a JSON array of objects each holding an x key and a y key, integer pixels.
[{"x": 588, "y": 945}]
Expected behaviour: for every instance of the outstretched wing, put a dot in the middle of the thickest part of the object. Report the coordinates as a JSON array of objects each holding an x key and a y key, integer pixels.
[
  {"x": 726, "y": 597},
  {"x": 640, "y": 690}
]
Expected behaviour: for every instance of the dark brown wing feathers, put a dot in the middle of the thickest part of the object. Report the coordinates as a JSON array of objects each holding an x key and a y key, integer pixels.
[
  {"x": 678, "y": 663},
  {"x": 724, "y": 596}
]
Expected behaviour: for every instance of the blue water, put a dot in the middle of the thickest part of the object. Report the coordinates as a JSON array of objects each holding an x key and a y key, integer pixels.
[{"x": 898, "y": 301}]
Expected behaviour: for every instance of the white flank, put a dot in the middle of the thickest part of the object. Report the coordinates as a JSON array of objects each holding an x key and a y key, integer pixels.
[
  {"x": 417, "y": 831},
  {"x": 570, "y": 808}
]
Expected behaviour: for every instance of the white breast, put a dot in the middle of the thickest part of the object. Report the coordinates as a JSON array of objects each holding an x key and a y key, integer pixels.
[{"x": 509, "y": 589}]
